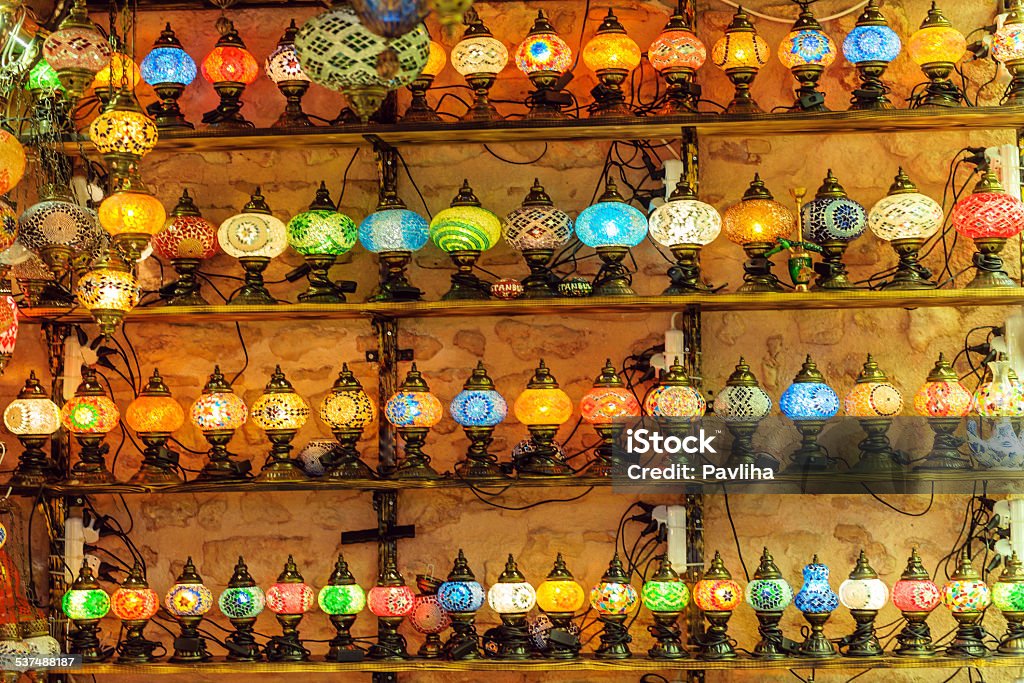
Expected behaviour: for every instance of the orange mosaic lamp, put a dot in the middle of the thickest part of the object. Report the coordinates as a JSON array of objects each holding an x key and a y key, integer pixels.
[
  {"x": 945, "y": 402},
  {"x": 135, "y": 603},
  {"x": 874, "y": 401},
  {"x": 281, "y": 413},
  {"x": 413, "y": 410},
  {"x": 717, "y": 595},
  {"x": 88, "y": 416},
  {"x": 229, "y": 68},
  {"x": 608, "y": 406},
  {"x": 936, "y": 47},
  {"x": 543, "y": 407},
  {"x": 154, "y": 415},
  {"x": 612, "y": 55}
]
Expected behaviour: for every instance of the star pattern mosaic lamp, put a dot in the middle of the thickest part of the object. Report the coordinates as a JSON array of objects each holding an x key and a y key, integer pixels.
[
  {"x": 89, "y": 416},
  {"x": 32, "y": 417},
  {"x": 685, "y": 224},
  {"x": 806, "y": 51},
  {"x": 84, "y": 605},
  {"x": 676, "y": 54},
  {"x": 188, "y": 601},
  {"x": 769, "y": 594},
  {"x": 285, "y": 70},
  {"x": 135, "y": 603},
  {"x": 512, "y": 597},
  {"x": 915, "y": 595},
  {"x": 280, "y": 413},
  {"x": 871, "y": 46},
  {"x": 186, "y": 240},
  {"x": 666, "y": 596},
  {"x": 544, "y": 57},
  {"x": 254, "y": 237},
  {"x": 242, "y": 602},
  {"x": 832, "y": 221},
  {"x": 478, "y": 409},
  {"x": 218, "y": 413},
  {"x": 717, "y": 595},
  {"x": 461, "y": 596},
  {"x": 413, "y": 410}
]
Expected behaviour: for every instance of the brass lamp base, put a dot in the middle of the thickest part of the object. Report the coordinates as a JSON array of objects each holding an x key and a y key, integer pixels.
[
  {"x": 742, "y": 101},
  {"x": 431, "y": 648},
  {"x": 613, "y": 279},
  {"x": 810, "y": 456},
  {"x": 1014, "y": 95},
  {"x": 464, "y": 643},
  {"x": 544, "y": 460},
  {"x": 539, "y": 101},
  {"x": 227, "y": 115},
  {"x": 915, "y": 640},
  {"x": 366, "y": 100},
  {"x": 1012, "y": 643},
  {"x": 187, "y": 288},
  {"x": 76, "y": 81},
  {"x": 808, "y": 97},
  {"x": 681, "y": 97},
  {"x": 253, "y": 292},
  {"x": 85, "y": 641},
  {"x": 135, "y": 649},
  {"x": 466, "y": 286},
  {"x": 130, "y": 245},
  {"x": 34, "y": 469},
  {"x": 293, "y": 116},
  {"x": 220, "y": 466},
  {"x": 717, "y": 645},
  {"x": 910, "y": 274},
  {"x": 511, "y": 638},
  {"x": 771, "y": 644},
  {"x": 482, "y": 109},
  {"x": 685, "y": 274},
  {"x": 568, "y": 645},
  {"x": 609, "y": 100},
  {"x": 279, "y": 465},
  {"x": 945, "y": 453},
  {"x": 166, "y": 112},
  {"x": 863, "y": 642},
  {"x": 390, "y": 644},
  {"x": 871, "y": 95},
  {"x": 876, "y": 453},
  {"x": 348, "y": 464},
  {"x": 155, "y": 469},
  {"x": 244, "y": 647},
  {"x": 742, "y": 451},
  {"x": 940, "y": 91},
  {"x": 91, "y": 467},
  {"x": 832, "y": 272},
  {"x": 816, "y": 645},
  {"x": 757, "y": 270},
  {"x": 968, "y": 641},
  {"x": 541, "y": 283},
  {"x": 321, "y": 290},
  {"x": 394, "y": 286},
  {"x": 666, "y": 632},
  {"x": 615, "y": 638},
  {"x": 190, "y": 646},
  {"x": 419, "y": 110},
  {"x": 989, "y": 266},
  {"x": 415, "y": 464},
  {"x": 287, "y": 647},
  {"x": 479, "y": 463},
  {"x": 342, "y": 642},
  {"x": 607, "y": 459}
]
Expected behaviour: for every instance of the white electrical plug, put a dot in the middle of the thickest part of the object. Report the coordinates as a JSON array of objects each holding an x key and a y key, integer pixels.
[
  {"x": 673, "y": 517},
  {"x": 675, "y": 348}
]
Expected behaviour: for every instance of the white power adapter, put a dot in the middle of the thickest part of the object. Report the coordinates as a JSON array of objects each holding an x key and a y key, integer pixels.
[{"x": 673, "y": 518}]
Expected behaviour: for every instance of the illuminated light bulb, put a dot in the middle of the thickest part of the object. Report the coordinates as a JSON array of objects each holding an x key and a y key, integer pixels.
[
  {"x": 186, "y": 240},
  {"x": 742, "y": 404},
  {"x": 863, "y": 593},
  {"x": 218, "y": 412},
  {"x": 478, "y": 408},
  {"x": 131, "y": 216},
  {"x": 479, "y": 57},
  {"x": 1008, "y": 598},
  {"x": 85, "y": 604},
  {"x": 154, "y": 415},
  {"x": 32, "y": 417},
  {"x": 419, "y": 109},
  {"x": 390, "y": 600},
  {"x": 611, "y": 227},
  {"x": 989, "y": 216},
  {"x": 285, "y": 70},
  {"x": 12, "y": 161},
  {"x": 135, "y": 603},
  {"x": 120, "y": 72},
  {"x": 543, "y": 407},
  {"x": 809, "y": 402},
  {"x": 874, "y": 401},
  {"x": 77, "y": 50},
  {"x": 717, "y": 595},
  {"x": 169, "y": 69},
  {"x": 967, "y": 596},
  {"x": 871, "y": 46},
  {"x": 937, "y": 47},
  {"x": 464, "y": 231},
  {"x": 108, "y": 291},
  {"x": 414, "y": 410},
  {"x": 676, "y": 54},
  {"x": 253, "y": 236},
  {"x": 341, "y": 600},
  {"x": 512, "y": 597},
  {"x": 684, "y": 224},
  {"x": 666, "y": 595},
  {"x": 608, "y": 406},
  {"x": 741, "y": 53},
  {"x": 906, "y": 218},
  {"x": 89, "y": 416},
  {"x": 806, "y": 51},
  {"x": 769, "y": 594},
  {"x": 229, "y": 68},
  {"x": 322, "y": 234},
  {"x": 612, "y": 55},
  {"x": 816, "y": 600},
  {"x": 347, "y": 410},
  {"x": 461, "y": 596},
  {"x": 339, "y": 52},
  {"x": 832, "y": 220},
  {"x": 394, "y": 232},
  {"x": 187, "y": 601},
  {"x": 915, "y": 595},
  {"x": 281, "y": 413},
  {"x": 241, "y": 602},
  {"x": 123, "y": 134},
  {"x": 289, "y": 599},
  {"x": 756, "y": 223},
  {"x": 536, "y": 229},
  {"x": 543, "y": 56},
  {"x": 55, "y": 228},
  {"x": 1008, "y": 50},
  {"x": 429, "y": 618}
]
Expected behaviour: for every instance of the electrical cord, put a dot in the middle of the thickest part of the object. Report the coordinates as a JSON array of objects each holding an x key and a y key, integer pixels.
[{"x": 783, "y": 20}]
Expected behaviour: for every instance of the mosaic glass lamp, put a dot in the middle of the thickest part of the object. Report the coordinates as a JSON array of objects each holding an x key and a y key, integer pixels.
[
  {"x": 393, "y": 232},
  {"x": 390, "y": 18},
  {"x": 390, "y": 600},
  {"x": 464, "y": 231},
  {"x": 289, "y": 599},
  {"x": 611, "y": 226},
  {"x": 1008, "y": 598},
  {"x": 614, "y": 598},
  {"x": 229, "y": 68},
  {"x": 285, "y": 70},
  {"x": 281, "y": 413},
  {"x": 84, "y": 605},
  {"x": 35, "y": 633},
  {"x": 666, "y": 595},
  {"x": 32, "y": 417},
  {"x": 769, "y": 594},
  {"x": 187, "y": 239},
  {"x": 479, "y": 57},
  {"x": 461, "y": 596},
  {"x": 915, "y": 595},
  {"x": 871, "y": 46},
  {"x": 347, "y": 410},
  {"x": 967, "y": 596},
  {"x": 56, "y": 227},
  {"x": 675, "y": 404},
  {"x": 906, "y": 218},
  {"x": 89, "y": 416},
  {"x": 535, "y": 230},
  {"x": 676, "y": 54},
  {"x": 863, "y": 593},
  {"x": 685, "y": 224},
  {"x": 543, "y": 407},
  {"x": 13, "y": 160},
  {"x": 559, "y": 597},
  {"x": 806, "y": 51},
  {"x": 989, "y": 216},
  {"x": 9, "y": 314},
  {"x": 832, "y": 220},
  {"x": 612, "y": 55},
  {"x": 121, "y": 70},
  {"x": 512, "y": 597},
  {"x": 741, "y": 53},
  {"x": 241, "y": 602},
  {"x": 413, "y": 410},
  {"x": 253, "y": 236},
  {"x": 108, "y": 291},
  {"x": 608, "y": 406},
  {"x": 756, "y": 223},
  {"x": 419, "y": 109},
  {"x": 544, "y": 57},
  {"x": 218, "y": 412},
  {"x": 154, "y": 415},
  {"x": 874, "y": 401},
  {"x": 169, "y": 70},
  {"x": 76, "y": 50},
  {"x": 809, "y": 402},
  {"x": 131, "y": 215},
  {"x": 478, "y": 409},
  {"x": 717, "y": 595},
  {"x": 342, "y": 599},
  {"x": 429, "y": 618},
  {"x": 937, "y": 47},
  {"x": 123, "y": 134},
  {"x": 944, "y": 401},
  {"x": 816, "y": 600},
  {"x": 1008, "y": 50},
  {"x": 135, "y": 603},
  {"x": 742, "y": 404},
  {"x": 321, "y": 234},
  {"x": 187, "y": 601}
]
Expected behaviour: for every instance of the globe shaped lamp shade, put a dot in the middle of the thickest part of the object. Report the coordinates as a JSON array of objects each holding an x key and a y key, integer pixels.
[
  {"x": 32, "y": 417},
  {"x": 77, "y": 50},
  {"x": 967, "y": 596},
  {"x": 676, "y": 54},
  {"x": 413, "y": 409},
  {"x": 430, "y": 619},
  {"x": 833, "y": 220},
  {"x": 390, "y": 601},
  {"x": 674, "y": 399},
  {"x": 863, "y": 593},
  {"x": 169, "y": 69},
  {"x": 741, "y": 53},
  {"x": 511, "y": 597},
  {"x": 85, "y": 604},
  {"x": 717, "y": 595},
  {"x": 341, "y": 599},
  {"x": 873, "y": 396},
  {"x": 684, "y": 224},
  {"x": 131, "y": 216},
  {"x": 43, "y": 80},
  {"x": 478, "y": 409},
  {"x": 281, "y": 413},
  {"x": 937, "y": 47},
  {"x": 154, "y": 415},
  {"x": 37, "y": 638},
  {"x": 816, "y": 600},
  {"x": 945, "y": 402},
  {"x": 347, "y": 410},
  {"x": 609, "y": 405},
  {"x": 756, "y": 223},
  {"x": 543, "y": 56},
  {"x": 89, "y": 415},
  {"x": 254, "y": 236},
  {"x": 806, "y": 51},
  {"x": 108, "y": 291},
  {"x": 611, "y": 227},
  {"x": 339, "y": 52},
  {"x": 536, "y": 229},
  {"x": 915, "y": 592},
  {"x": 321, "y": 234},
  {"x": 769, "y": 595},
  {"x": 479, "y": 57},
  {"x": 742, "y": 399},
  {"x": 560, "y": 594},
  {"x": 612, "y": 55},
  {"x": 188, "y": 600},
  {"x": 614, "y": 598},
  {"x": 809, "y": 402},
  {"x": 461, "y": 595},
  {"x": 285, "y": 70},
  {"x": 1008, "y": 50},
  {"x": 135, "y": 603},
  {"x": 871, "y": 46},
  {"x": 186, "y": 240},
  {"x": 123, "y": 133},
  {"x": 666, "y": 596},
  {"x": 242, "y": 601},
  {"x": 464, "y": 231},
  {"x": 1008, "y": 597},
  {"x": 906, "y": 218},
  {"x": 218, "y": 412},
  {"x": 989, "y": 216},
  {"x": 394, "y": 232},
  {"x": 543, "y": 407},
  {"x": 229, "y": 68},
  {"x": 120, "y": 71},
  {"x": 289, "y": 598},
  {"x": 56, "y": 227}
]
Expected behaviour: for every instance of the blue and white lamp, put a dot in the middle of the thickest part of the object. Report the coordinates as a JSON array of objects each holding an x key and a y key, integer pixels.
[
  {"x": 806, "y": 51},
  {"x": 478, "y": 408},
  {"x": 817, "y": 601},
  {"x": 461, "y": 596},
  {"x": 832, "y": 220},
  {"x": 870, "y": 46},
  {"x": 769, "y": 595},
  {"x": 168, "y": 68},
  {"x": 611, "y": 227},
  {"x": 809, "y": 402},
  {"x": 393, "y": 232}
]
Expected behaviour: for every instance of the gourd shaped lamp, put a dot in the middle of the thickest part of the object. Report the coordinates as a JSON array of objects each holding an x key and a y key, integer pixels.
[{"x": 816, "y": 600}]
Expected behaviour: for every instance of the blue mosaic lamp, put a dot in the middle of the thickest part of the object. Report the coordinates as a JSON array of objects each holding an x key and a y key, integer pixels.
[
  {"x": 809, "y": 402},
  {"x": 187, "y": 601},
  {"x": 870, "y": 46},
  {"x": 241, "y": 602},
  {"x": 806, "y": 51},
  {"x": 478, "y": 408},
  {"x": 394, "y": 233},
  {"x": 463, "y": 231},
  {"x": 817, "y": 601},
  {"x": 611, "y": 227},
  {"x": 461, "y": 596},
  {"x": 168, "y": 68},
  {"x": 769, "y": 595},
  {"x": 833, "y": 220}
]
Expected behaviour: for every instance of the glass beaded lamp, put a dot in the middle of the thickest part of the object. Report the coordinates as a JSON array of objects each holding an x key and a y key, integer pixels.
[
  {"x": 915, "y": 595},
  {"x": 756, "y": 223},
  {"x": 874, "y": 401},
  {"x": 609, "y": 405},
  {"x": 536, "y": 229},
  {"x": 12, "y": 161},
  {"x": 187, "y": 239},
  {"x": 347, "y": 410},
  {"x": 806, "y": 51},
  {"x": 871, "y": 46},
  {"x": 741, "y": 53},
  {"x": 464, "y": 231},
  {"x": 666, "y": 595},
  {"x": 478, "y": 409},
  {"x": 285, "y": 70},
  {"x": 816, "y": 600},
  {"x": 289, "y": 599},
  {"x": 321, "y": 234},
  {"x": 241, "y": 602},
  {"x": 85, "y": 604},
  {"x": 123, "y": 133},
  {"x": 35, "y": 633},
  {"x": 108, "y": 291},
  {"x": 769, "y": 595},
  {"x": 76, "y": 50},
  {"x": 944, "y": 401},
  {"x": 937, "y": 47},
  {"x": 281, "y": 413},
  {"x": 676, "y": 54},
  {"x": 390, "y": 600},
  {"x": 461, "y": 596},
  {"x": 11, "y": 643},
  {"x": 253, "y": 236},
  {"x": 428, "y": 618},
  {"x": 611, "y": 227},
  {"x": 56, "y": 227},
  {"x": 135, "y": 603},
  {"x": 218, "y": 412},
  {"x": 169, "y": 70},
  {"x": 742, "y": 404},
  {"x": 121, "y": 71},
  {"x": 512, "y": 597},
  {"x": 229, "y": 67},
  {"x": 559, "y": 597},
  {"x": 341, "y": 600},
  {"x": 717, "y": 595},
  {"x": 543, "y": 407},
  {"x": 614, "y": 598},
  {"x": 32, "y": 417},
  {"x": 685, "y": 224},
  {"x": 864, "y": 594},
  {"x": 906, "y": 218},
  {"x": 832, "y": 220},
  {"x": 187, "y": 601},
  {"x": 809, "y": 402},
  {"x": 88, "y": 416},
  {"x": 131, "y": 215},
  {"x": 1008, "y": 50},
  {"x": 479, "y": 57},
  {"x": 612, "y": 55},
  {"x": 967, "y": 596},
  {"x": 339, "y": 52},
  {"x": 413, "y": 410},
  {"x": 394, "y": 233},
  {"x": 419, "y": 109},
  {"x": 154, "y": 415},
  {"x": 1008, "y": 598},
  {"x": 37, "y": 285},
  {"x": 544, "y": 57},
  {"x": 675, "y": 404},
  {"x": 989, "y": 216}
]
